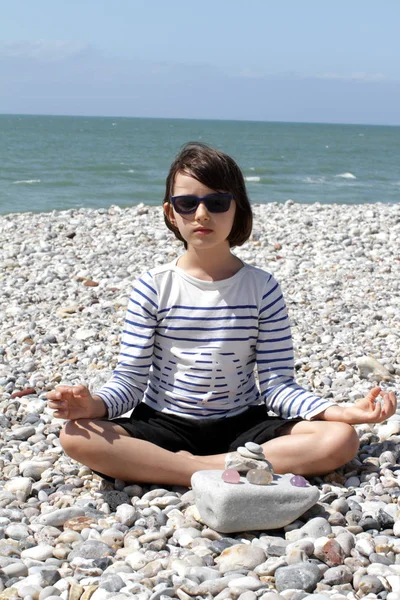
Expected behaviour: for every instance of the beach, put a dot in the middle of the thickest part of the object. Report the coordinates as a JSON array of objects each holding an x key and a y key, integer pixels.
[{"x": 65, "y": 279}]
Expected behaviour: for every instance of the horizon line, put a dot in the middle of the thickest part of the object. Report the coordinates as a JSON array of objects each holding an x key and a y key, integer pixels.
[{"x": 87, "y": 116}]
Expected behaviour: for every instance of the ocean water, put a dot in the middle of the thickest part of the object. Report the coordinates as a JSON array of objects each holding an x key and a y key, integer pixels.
[{"x": 51, "y": 162}]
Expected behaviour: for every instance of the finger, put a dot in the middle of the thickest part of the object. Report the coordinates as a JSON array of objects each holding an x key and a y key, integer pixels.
[
  {"x": 53, "y": 395},
  {"x": 60, "y": 414},
  {"x": 59, "y": 392},
  {"x": 392, "y": 399},
  {"x": 63, "y": 389},
  {"x": 79, "y": 390},
  {"x": 57, "y": 405},
  {"x": 389, "y": 406},
  {"x": 373, "y": 394},
  {"x": 374, "y": 414}
]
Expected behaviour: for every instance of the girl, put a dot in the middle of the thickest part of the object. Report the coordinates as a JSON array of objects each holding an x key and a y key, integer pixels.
[{"x": 194, "y": 332}]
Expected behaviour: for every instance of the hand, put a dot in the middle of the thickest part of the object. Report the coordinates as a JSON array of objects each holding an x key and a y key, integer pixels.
[
  {"x": 371, "y": 410},
  {"x": 367, "y": 410},
  {"x": 75, "y": 402}
]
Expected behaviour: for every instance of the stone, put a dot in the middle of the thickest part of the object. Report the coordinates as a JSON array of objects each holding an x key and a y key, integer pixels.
[
  {"x": 234, "y": 460},
  {"x": 231, "y": 476},
  {"x": 245, "y": 507},
  {"x": 111, "y": 582},
  {"x": 248, "y": 595},
  {"x": 19, "y": 484},
  {"x": 85, "y": 334},
  {"x": 314, "y": 528},
  {"x": 243, "y": 451},
  {"x": 126, "y": 514},
  {"x": 22, "y": 393},
  {"x": 367, "y": 365},
  {"x": 34, "y": 471},
  {"x": 48, "y": 592},
  {"x": 245, "y": 583},
  {"x": 114, "y": 498},
  {"x": 329, "y": 551},
  {"x": 15, "y": 569},
  {"x": 253, "y": 447},
  {"x": 22, "y": 433},
  {"x": 390, "y": 428},
  {"x": 338, "y": 575},
  {"x": 299, "y": 481},
  {"x": 79, "y": 523},
  {"x": 41, "y": 552},
  {"x": 370, "y": 584},
  {"x": 60, "y": 516},
  {"x": 168, "y": 591},
  {"x": 259, "y": 476},
  {"x": 90, "y": 549},
  {"x": 240, "y": 556},
  {"x": 302, "y": 576},
  {"x": 75, "y": 591}
]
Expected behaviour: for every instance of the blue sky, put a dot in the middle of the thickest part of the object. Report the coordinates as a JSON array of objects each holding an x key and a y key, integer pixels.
[{"x": 291, "y": 60}]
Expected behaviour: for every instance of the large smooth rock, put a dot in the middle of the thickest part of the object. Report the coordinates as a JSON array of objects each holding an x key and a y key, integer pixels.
[
  {"x": 228, "y": 507},
  {"x": 303, "y": 576}
]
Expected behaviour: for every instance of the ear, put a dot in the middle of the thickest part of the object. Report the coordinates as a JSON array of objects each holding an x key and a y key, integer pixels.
[{"x": 169, "y": 213}]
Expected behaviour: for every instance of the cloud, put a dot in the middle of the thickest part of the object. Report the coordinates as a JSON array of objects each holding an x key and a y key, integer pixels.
[
  {"x": 361, "y": 77},
  {"x": 64, "y": 77},
  {"x": 44, "y": 51}
]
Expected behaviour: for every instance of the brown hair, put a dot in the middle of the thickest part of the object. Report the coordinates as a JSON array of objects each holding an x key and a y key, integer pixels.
[{"x": 219, "y": 172}]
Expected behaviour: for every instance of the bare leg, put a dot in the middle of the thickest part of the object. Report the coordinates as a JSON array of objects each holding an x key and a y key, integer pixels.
[
  {"x": 305, "y": 448},
  {"x": 108, "y": 449}
]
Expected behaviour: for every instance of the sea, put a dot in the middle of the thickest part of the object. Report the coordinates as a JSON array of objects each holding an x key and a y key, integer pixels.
[{"x": 52, "y": 163}]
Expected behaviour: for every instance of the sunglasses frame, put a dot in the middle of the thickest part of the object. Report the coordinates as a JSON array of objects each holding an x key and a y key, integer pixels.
[{"x": 204, "y": 199}]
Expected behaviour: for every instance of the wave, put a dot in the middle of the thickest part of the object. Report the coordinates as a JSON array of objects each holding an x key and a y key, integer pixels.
[
  {"x": 131, "y": 171},
  {"x": 314, "y": 180},
  {"x": 27, "y": 181},
  {"x": 253, "y": 179},
  {"x": 346, "y": 176}
]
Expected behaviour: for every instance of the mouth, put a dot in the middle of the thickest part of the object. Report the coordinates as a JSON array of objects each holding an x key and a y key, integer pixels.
[{"x": 202, "y": 231}]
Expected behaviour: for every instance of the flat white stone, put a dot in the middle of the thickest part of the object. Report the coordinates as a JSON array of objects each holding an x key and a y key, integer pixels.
[
  {"x": 243, "y": 507},
  {"x": 41, "y": 552}
]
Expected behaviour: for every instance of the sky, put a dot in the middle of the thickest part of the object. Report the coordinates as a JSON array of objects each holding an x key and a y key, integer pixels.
[{"x": 261, "y": 60}]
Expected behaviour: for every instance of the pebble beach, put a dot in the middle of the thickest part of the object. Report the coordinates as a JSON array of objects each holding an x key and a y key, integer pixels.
[{"x": 65, "y": 279}]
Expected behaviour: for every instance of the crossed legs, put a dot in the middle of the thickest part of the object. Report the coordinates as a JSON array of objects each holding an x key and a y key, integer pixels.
[{"x": 305, "y": 448}]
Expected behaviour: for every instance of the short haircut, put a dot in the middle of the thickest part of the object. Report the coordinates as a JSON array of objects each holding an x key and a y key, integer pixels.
[{"x": 219, "y": 172}]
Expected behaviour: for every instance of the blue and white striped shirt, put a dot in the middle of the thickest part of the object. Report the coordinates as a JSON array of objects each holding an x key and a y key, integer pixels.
[{"x": 190, "y": 347}]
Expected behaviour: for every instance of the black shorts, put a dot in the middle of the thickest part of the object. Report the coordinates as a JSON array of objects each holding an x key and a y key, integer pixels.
[{"x": 202, "y": 436}]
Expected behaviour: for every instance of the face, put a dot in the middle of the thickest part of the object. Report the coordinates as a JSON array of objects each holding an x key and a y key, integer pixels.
[{"x": 201, "y": 229}]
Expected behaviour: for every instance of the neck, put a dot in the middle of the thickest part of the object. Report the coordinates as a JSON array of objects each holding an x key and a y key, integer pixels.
[{"x": 210, "y": 265}]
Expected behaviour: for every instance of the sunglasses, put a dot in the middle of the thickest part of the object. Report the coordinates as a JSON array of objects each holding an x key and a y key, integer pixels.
[{"x": 214, "y": 203}]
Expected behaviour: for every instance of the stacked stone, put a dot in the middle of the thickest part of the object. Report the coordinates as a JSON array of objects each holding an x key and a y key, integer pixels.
[{"x": 249, "y": 460}]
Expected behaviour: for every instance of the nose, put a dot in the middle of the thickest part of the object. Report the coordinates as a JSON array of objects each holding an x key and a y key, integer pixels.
[{"x": 202, "y": 212}]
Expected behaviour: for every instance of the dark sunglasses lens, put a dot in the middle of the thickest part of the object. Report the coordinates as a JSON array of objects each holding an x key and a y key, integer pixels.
[
  {"x": 218, "y": 203},
  {"x": 185, "y": 204}
]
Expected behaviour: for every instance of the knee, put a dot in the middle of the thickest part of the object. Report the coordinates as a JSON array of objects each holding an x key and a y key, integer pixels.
[
  {"x": 72, "y": 438},
  {"x": 342, "y": 442}
]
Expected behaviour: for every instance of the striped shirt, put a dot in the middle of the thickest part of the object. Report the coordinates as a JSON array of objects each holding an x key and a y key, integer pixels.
[{"x": 190, "y": 347}]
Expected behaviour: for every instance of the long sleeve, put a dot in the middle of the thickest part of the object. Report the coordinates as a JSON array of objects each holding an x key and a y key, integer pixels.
[
  {"x": 274, "y": 358},
  {"x": 127, "y": 385}
]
